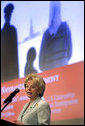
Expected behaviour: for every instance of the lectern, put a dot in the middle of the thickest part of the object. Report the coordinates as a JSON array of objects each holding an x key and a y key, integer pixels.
[{"x": 7, "y": 123}]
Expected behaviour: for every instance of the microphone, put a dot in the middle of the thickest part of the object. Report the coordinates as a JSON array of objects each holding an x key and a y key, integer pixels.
[{"x": 9, "y": 98}]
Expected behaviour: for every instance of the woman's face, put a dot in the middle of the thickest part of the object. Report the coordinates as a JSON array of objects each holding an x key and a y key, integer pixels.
[{"x": 32, "y": 90}]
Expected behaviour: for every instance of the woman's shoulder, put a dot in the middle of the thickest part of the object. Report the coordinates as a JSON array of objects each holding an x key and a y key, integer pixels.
[
  {"x": 43, "y": 103},
  {"x": 43, "y": 106},
  {"x": 25, "y": 105}
]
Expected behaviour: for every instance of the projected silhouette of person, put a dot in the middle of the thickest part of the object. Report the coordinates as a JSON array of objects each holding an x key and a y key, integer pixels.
[
  {"x": 9, "y": 52},
  {"x": 56, "y": 45},
  {"x": 31, "y": 55}
]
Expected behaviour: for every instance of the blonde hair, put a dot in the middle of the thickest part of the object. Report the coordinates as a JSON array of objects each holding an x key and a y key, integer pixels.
[{"x": 38, "y": 80}]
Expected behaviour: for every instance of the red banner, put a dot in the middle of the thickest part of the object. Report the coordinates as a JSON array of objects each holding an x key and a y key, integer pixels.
[{"x": 64, "y": 93}]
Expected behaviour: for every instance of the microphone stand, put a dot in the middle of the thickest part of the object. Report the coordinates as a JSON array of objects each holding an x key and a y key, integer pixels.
[{"x": 6, "y": 105}]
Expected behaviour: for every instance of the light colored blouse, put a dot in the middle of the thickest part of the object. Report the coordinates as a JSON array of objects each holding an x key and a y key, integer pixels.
[{"x": 38, "y": 113}]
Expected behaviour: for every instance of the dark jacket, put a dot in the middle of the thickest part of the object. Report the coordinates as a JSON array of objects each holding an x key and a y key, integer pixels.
[{"x": 56, "y": 50}]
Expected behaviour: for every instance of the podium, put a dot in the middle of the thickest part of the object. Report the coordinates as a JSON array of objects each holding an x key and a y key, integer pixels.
[{"x": 4, "y": 122}]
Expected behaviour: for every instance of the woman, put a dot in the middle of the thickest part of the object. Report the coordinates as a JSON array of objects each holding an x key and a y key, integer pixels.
[{"x": 36, "y": 111}]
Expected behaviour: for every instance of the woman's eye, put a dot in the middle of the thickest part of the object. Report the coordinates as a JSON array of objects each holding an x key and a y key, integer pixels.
[
  {"x": 26, "y": 86},
  {"x": 33, "y": 87}
]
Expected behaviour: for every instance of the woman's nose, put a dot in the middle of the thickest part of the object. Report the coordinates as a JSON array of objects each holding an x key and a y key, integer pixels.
[{"x": 29, "y": 88}]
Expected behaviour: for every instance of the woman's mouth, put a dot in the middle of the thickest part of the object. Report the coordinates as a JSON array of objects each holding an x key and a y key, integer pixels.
[{"x": 29, "y": 93}]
